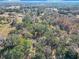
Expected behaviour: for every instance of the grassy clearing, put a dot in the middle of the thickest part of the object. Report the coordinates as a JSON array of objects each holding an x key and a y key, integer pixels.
[{"x": 5, "y": 30}]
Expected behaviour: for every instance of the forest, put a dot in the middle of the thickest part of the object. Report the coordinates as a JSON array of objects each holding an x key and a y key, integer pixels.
[{"x": 47, "y": 35}]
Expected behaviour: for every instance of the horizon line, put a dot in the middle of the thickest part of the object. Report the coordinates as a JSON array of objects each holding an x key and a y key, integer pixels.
[{"x": 40, "y": 1}]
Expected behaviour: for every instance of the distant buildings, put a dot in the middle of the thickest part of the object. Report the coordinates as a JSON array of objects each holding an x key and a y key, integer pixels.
[{"x": 13, "y": 7}]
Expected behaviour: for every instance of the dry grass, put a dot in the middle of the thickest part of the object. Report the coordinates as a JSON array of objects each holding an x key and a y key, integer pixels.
[{"x": 5, "y": 30}]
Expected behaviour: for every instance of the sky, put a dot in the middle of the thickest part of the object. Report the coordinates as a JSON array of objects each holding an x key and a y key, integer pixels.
[{"x": 39, "y": 0}]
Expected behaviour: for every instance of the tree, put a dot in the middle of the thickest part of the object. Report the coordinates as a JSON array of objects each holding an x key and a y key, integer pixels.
[
  {"x": 27, "y": 20},
  {"x": 17, "y": 47}
]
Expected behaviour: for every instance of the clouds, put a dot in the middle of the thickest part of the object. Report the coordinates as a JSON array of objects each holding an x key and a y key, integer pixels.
[
  {"x": 28, "y": 0},
  {"x": 54, "y": 0},
  {"x": 9, "y": 0},
  {"x": 39, "y": 0},
  {"x": 23, "y": 0}
]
